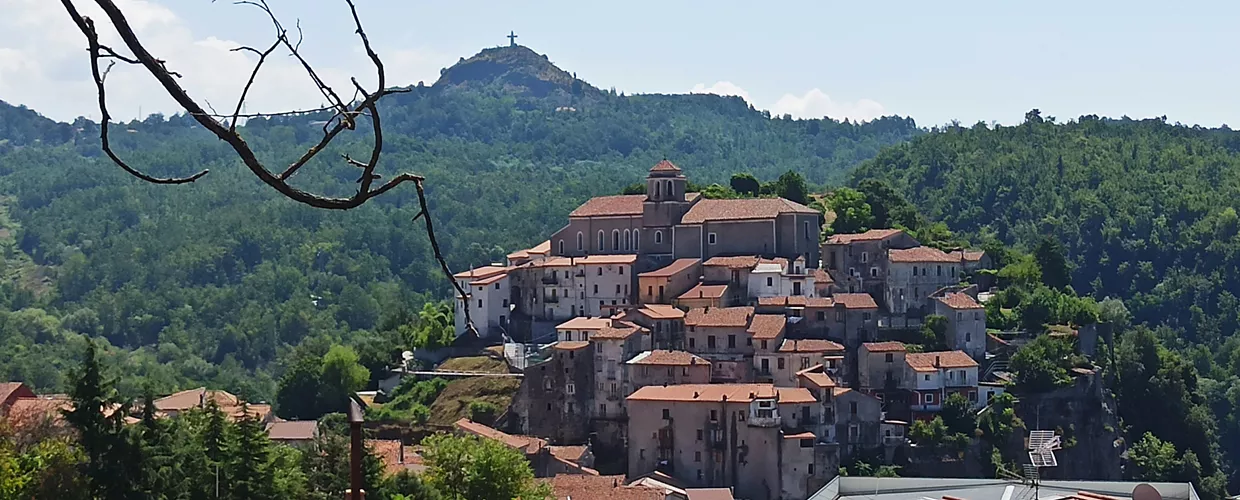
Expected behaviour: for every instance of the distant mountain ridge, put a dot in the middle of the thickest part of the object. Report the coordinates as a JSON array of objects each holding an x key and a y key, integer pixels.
[{"x": 516, "y": 67}]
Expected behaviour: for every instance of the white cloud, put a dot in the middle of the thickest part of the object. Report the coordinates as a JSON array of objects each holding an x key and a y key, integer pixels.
[
  {"x": 813, "y": 104},
  {"x": 43, "y": 64}
]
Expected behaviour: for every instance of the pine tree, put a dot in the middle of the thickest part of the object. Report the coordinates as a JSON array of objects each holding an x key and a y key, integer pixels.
[
  {"x": 112, "y": 458},
  {"x": 251, "y": 475}
]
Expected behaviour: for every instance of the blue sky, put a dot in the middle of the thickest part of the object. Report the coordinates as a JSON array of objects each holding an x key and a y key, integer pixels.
[{"x": 934, "y": 61}]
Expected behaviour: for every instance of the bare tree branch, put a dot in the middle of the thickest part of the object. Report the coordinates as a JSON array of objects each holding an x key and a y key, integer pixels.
[{"x": 363, "y": 104}]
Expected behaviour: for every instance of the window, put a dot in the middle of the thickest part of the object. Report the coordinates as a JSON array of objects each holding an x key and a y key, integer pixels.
[
  {"x": 839, "y": 315},
  {"x": 548, "y": 406},
  {"x": 615, "y": 239},
  {"x": 977, "y": 315},
  {"x": 914, "y": 270},
  {"x": 852, "y": 271},
  {"x": 865, "y": 257},
  {"x": 628, "y": 240},
  {"x": 600, "y": 240},
  {"x": 617, "y": 289},
  {"x": 600, "y": 272},
  {"x": 951, "y": 271},
  {"x": 748, "y": 341},
  {"x": 711, "y": 238},
  {"x": 865, "y": 316},
  {"x": 602, "y": 410},
  {"x": 561, "y": 247},
  {"x": 684, "y": 370},
  {"x": 927, "y": 377},
  {"x": 763, "y": 344},
  {"x": 940, "y": 270},
  {"x": 571, "y": 388},
  {"x": 505, "y": 302},
  {"x": 959, "y": 316},
  {"x": 479, "y": 302},
  {"x": 806, "y": 226},
  {"x": 968, "y": 337},
  {"x": 692, "y": 342},
  {"x": 697, "y": 456},
  {"x": 807, "y": 443},
  {"x": 641, "y": 454},
  {"x": 873, "y": 272},
  {"x": 621, "y": 270},
  {"x": 658, "y": 237},
  {"x": 710, "y": 341},
  {"x": 581, "y": 241},
  {"x": 714, "y": 415},
  {"x": 596, "y": 288},
  {"x": 973, "y": 397},
  {"x": 667, "y": 414},
  {"x": 547, "y": 384},
  {"x": 650, "y": 290},
  {"x": 804, "y": 362},
  {"x": 731, "y": 341},
  {"x": 601, "y": 304},
  {"x": 852, "y": 407},
  {"x": 670, "y": 191},
  {"x": 770, "y": 281},
  {"x": 822, "y": 316},
  {"x": 811, "y": 469},
  {"x": 890, "y": 357},
  {"x": 929, "y": 399},
  {"x": 780, "y": 363}
]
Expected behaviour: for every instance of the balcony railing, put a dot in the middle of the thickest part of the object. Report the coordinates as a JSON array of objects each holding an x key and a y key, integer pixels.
[
  {"x": 764, "y": 421},
  {"x": 550, "y": 279}
]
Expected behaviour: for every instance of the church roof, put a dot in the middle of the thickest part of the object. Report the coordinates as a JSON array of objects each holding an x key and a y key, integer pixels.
[
  {"x": 665, "y": 166},
  {"x": 745, "y": 209},
  {"x": 600, "y": 206}
]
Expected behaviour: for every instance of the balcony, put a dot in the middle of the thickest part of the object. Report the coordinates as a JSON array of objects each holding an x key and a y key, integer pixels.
[
  {"x": 551, "y": 299},
  {"x": 772, "y": 421},
  {"x": 550, "y": 279},
  {"x": 581, "y": 273}
]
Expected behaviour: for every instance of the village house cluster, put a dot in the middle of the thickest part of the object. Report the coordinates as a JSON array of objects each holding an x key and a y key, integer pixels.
[{"x": 721, "y": 343}]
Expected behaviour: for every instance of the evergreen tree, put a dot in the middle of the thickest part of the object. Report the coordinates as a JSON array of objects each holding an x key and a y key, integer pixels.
[{"x": 1050, "y": 256}]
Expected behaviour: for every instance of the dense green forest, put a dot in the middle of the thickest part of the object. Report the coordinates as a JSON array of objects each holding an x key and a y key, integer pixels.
[
  {"x": 223, "y": 282},
  {"x": 1146, "y": 213}
]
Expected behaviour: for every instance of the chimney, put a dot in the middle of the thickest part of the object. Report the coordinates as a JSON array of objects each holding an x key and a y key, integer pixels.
[
  {"x": 936, "y": 360},
  {"x": 725, "y": 398},
  {"x": 695, "y": 394},
  {"x": 692, "y": 361},
  {"x": 400, "y": 457}
]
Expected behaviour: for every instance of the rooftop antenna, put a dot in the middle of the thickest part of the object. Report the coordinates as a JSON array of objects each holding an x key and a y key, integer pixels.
[{"x": 1042, "y": 446}]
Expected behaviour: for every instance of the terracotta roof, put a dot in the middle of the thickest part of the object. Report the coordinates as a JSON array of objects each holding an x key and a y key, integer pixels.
[
  {"x": 743, "y": 209},
  {"x": 571, "y": 345},
  {"x": 7, "y": 390},
  {"x": 541, "y": 248},
  {"x": 480, "y": 272},
  {"x": 584, "y": 323},
  {"x": 921, "y": 254},
  {"x": 661, "y": 311},
  {"x": 719, "y": 316},
  {"x": 622, "y": 204},
  {"x": 667, "y": 358},
  {"x": 840, "y": 391},
  {"x": 810, "y": 345},
  {"x": 704, "y": 291},
  {"x": 767, "y": 326},
  {"x": 585, "y": 486},
  {"x": 608, "y": 259},
  {"x": 527, "y": 444},
  {"x": 800, "y": 435},
  {"x": 738, "y": 393},
  {"x": 292, "y": 430},
  {"x": 871, "y": 235},
  {"x": 34, "y": 411},
  {"x": 517, "y": 255},
  {"x": 618, "y": 331},
  {"x": 710, "y": 493},
  {"x": 959, "y": 301},
  {"x": 821, "y": 276},
  {"x": 554, "y": 262},
  {"x": 664, "y": 166},
  {"x": 489, "y": 280},
  {"x": 794, "y": 395},
  {"x": 884, "y": 347},
  {"x": 390, "y": 452},
  {"x": 796, "y": 300},
  {"x": 677, "y": 266},
  {"x": 194, "y": 398},
  {"x": 735, "y": 262},
  {"x": 817, "y": 378},
  {"x": 925, "y": 361},
  {"x": 855, "y": 300},
  {"x": 569, "y": 453}
]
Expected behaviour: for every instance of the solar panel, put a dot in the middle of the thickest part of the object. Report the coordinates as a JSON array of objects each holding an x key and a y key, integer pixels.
[
  {"x": 1043, "y": 458},
  {"x": 1043, "y": 440}
]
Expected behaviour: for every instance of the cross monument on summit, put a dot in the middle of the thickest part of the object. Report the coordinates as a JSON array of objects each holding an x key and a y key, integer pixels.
[{"x": 512, "y": 39}]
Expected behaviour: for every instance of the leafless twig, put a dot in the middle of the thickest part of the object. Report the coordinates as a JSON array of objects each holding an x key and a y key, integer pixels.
[{"x": 345, "y": 115}]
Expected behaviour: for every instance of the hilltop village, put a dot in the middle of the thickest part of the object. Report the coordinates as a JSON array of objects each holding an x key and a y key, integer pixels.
[{"x": 722, "y": 343}]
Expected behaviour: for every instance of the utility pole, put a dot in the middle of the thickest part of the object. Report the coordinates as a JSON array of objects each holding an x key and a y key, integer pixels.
[{"x": 356, "y": 444}]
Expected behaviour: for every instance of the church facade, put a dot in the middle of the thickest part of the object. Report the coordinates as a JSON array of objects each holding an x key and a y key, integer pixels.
[{"x": 668, "y": 223}]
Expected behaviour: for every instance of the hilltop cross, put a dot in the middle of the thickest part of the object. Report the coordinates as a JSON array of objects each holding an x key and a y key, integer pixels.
[{"x": 512, "y": 39}]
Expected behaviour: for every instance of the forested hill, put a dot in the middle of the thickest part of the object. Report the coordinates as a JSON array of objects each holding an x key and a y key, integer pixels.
[
  {"x": 221, "y": 282},
  {"x": 1146, "y": 209}
]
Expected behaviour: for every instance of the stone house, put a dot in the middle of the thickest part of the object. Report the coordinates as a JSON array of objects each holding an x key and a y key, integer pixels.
[
  {"x": 850, "y": 318},
  {"x": 794, "y": 356},
  {"x": 488, "y": 292},
  {"x": 966, "y": 323},
  {"x": 668, "y": 282},
  {"x": 613, "y": 346},
  {"x": 767, "y": 331},
  {"x": 666, "y": 324},
  {"x": 730, "y": 271},
  {"x": 704, "y": 295},
  {"x": 747, "y": 437},
  {"x": 858, "y": 421},
  {"x": 824, "y": 284},
  {"x": 933, "y": 376},
  {"x": 880, "y": 366},
  {"x": 537, "y": 253},
  {"x": 607, "y": 283},
  {"x": 661, "y": 367},
  {"x": 916, "y": 274},
  {"x": 721, "y": 335},
  {"x": 554, "y": 398},
  {"x": 580, "y": 328},
  {"x": 856, "y": 261}
]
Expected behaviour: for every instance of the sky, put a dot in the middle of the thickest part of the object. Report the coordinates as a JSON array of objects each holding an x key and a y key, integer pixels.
[{"x": 936, "y": 62}]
